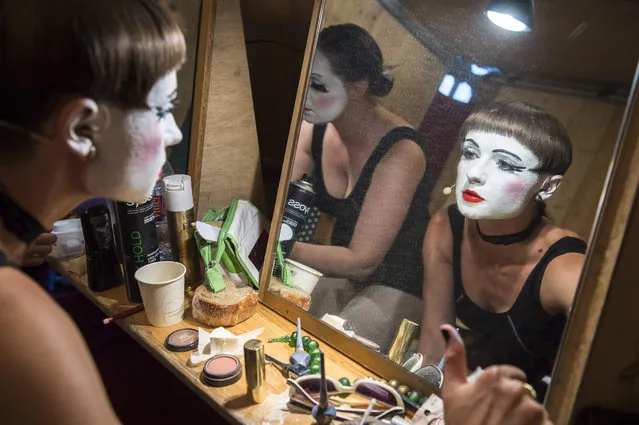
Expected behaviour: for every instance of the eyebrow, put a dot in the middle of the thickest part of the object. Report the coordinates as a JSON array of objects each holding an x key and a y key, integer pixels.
[
  {"x": 507, "y": 153},
  {"x": 471, "y": 141}
]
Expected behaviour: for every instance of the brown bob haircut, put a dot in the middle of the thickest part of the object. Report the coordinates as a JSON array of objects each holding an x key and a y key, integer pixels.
[
  {"x": 55, "y": 50},
  {"x": 533, "y": 127}
]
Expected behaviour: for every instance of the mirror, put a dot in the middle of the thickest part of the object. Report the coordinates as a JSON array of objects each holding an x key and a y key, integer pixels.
[
  {"x": 188, "y": 16},
  {"x": 448, "y": 170}
]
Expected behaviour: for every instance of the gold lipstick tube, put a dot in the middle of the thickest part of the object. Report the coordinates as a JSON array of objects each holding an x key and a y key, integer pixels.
[
  {"x": 403, "y": 339},
  {"x": 255, "y": 370}
]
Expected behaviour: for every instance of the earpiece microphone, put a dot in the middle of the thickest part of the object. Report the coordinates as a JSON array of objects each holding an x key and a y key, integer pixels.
[{"x": 448, "y": 190}]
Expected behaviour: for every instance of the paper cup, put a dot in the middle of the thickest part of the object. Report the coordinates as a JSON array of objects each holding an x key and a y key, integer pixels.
[
  {"x": 162, "y": 288},
  {"x": 304, "y": 277}
]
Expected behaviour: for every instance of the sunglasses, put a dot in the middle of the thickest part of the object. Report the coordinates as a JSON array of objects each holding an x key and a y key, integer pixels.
[{"x": 306, "y": 389}]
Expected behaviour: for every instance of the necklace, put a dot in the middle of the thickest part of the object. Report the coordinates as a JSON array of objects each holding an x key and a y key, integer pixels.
[
  {"x": 513, "y": 237},
  {"x": 17, "y": 221}
]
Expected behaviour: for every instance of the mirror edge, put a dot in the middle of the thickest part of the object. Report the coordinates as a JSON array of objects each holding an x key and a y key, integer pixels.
[
  {"x": 201, "y": 88},
  {"x": 291, "y": 143},
  {"x": 604, "y": 247},
  {"x": 352, "y": 349}
]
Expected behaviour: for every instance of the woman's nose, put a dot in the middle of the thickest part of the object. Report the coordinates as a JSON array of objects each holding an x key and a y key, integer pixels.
[
  {"x": 476, "y": 174},
  {"x": 172, "y": 134}
]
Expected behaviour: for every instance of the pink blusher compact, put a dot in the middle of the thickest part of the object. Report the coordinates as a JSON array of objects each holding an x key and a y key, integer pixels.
[
  {"x": 222, "y": 370},
  {"x": 182, "y": 340}
]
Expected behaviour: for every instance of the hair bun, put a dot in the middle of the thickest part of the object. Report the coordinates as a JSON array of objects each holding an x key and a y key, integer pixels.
[{"x": 381, "y": 86}]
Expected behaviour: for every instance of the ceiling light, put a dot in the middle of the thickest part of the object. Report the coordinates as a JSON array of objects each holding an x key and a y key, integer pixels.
[{"x": 511, "y": 15}]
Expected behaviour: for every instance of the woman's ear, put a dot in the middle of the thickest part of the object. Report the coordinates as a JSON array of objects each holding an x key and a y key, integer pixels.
[
  {"x": 80, "y": 120},
  {"x": 549, "y": 186},
  {"x": 357, "y": 90}
]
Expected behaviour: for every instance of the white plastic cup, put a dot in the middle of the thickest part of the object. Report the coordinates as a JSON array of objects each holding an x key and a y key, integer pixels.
[
  {"x": 304, "y": 277},
  {"x": 162, "y": 288}
]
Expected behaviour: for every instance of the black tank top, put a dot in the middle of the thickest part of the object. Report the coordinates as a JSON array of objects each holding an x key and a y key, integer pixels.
[
  {"x": 525, "y": 336},
  {"x": 402, "y": 267}
]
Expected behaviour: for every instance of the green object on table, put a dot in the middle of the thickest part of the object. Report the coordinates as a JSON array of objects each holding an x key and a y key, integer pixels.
[
  {"x": 315, "y": 352},
  {"x": 305, "y": 340},
  {"x": 312, "y": 344},
  {"x": 347, "y": 383},
  {"x": 315, "y": 368},
  {"x": 285, "y": 338},
  {"x": 415, "y": 396}
]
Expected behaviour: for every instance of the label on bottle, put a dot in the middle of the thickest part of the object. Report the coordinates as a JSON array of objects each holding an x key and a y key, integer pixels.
[{"x": 136, "y": 223}]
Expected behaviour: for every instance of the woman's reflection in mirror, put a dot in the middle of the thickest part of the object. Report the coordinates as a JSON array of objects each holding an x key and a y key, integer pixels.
[
  {"x": 370, "y": 173},
  {"x": 496, "y": 267}
]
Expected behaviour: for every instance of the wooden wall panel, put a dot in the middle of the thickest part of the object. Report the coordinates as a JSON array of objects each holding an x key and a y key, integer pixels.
[{"x": 231, "y": 156}]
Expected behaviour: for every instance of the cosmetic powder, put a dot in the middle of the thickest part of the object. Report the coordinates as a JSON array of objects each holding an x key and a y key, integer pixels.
[
  {"x": 222, "y": 370},
  {"x": 182, "y": 340}
]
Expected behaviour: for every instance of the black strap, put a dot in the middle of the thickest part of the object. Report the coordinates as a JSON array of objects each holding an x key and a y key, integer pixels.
[{"x": 18, "y": 221}]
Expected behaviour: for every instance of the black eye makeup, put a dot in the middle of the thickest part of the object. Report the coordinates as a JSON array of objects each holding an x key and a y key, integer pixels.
[
  {"x": 162, "y": 112},
  {"x": 319, "y": 87},
  {"x": 509, "y": 166}
]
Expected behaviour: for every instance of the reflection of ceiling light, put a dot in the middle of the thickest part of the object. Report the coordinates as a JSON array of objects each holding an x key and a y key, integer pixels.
[
  {"x": 511, "y": 15},
  {"x": 482, "y": 70}
]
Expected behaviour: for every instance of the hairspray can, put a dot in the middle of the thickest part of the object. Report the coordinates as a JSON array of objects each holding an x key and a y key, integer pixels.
[
  {"x": 138, "y": 241},
  {"x": 299, "y": 202},
  {"x": 103, "y": 267},
  {"x": 180, "y": 217}
]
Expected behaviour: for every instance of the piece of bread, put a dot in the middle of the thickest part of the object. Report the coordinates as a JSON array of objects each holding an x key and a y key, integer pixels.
[
  {"x": 232, "y": 305},
  {"x": 293, "y": 295}
]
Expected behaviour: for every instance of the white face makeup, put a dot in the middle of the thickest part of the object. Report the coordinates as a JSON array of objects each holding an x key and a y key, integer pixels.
[
  {"x": 494, "y": 176},
  {"x": 130, "y": 153},
  {"x": 327, "y": 96}
]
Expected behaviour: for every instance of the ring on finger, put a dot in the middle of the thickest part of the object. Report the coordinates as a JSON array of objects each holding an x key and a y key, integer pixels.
[{"x": 531, "y": 390}]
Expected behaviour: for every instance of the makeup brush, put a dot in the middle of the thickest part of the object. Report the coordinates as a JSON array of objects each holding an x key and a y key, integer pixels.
[
  {"x": 324, "y": 412},
  {"x": 368, "y": 411},
  {"x": 300, "y": 356}
]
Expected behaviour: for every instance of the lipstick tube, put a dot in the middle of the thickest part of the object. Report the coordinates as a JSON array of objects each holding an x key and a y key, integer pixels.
[
  {"x": 403, "y": 339},
  {"x": 255, "y": 370}
]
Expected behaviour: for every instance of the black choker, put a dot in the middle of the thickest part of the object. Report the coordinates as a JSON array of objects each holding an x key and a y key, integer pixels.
[
  {"x": 513, "y": 237},
  {"x": 17, "y": 221}
]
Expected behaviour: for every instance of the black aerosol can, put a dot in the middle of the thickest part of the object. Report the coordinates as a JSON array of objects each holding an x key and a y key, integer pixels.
[
  {"x": 299, "y": 202},
  {"x": 103, "y": 268},
  {"x": 138, "y": 241}
]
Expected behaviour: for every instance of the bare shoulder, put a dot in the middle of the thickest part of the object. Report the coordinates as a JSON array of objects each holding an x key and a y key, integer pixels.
[{"x": 68, "y": 382}]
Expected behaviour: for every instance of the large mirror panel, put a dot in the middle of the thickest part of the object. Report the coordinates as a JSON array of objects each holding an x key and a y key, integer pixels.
[{"x": 448, "y": 170}]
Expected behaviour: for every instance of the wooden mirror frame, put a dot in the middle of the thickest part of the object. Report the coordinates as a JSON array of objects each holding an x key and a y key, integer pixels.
[
  {"x": 604, "y": 245},
  {"x": 201, "y": 95}
]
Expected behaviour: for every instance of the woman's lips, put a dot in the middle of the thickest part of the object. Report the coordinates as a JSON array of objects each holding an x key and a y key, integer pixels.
[{"x": 471, "y": 196}]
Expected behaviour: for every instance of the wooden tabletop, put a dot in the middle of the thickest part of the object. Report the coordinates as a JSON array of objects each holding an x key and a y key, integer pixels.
[{"x": 230, "y": 401}]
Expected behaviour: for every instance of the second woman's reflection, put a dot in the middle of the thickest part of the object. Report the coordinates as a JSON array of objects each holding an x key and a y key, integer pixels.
[{"x": 370, "y": 173}]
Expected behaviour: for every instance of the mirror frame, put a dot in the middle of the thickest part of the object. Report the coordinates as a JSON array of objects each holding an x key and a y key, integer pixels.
[
  {"x": 604, "y": 245},
  {"x": 200, "y": 102}
]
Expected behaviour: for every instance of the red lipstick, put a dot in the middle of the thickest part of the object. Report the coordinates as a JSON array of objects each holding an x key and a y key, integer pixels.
[{"x": 471, "y": 196}]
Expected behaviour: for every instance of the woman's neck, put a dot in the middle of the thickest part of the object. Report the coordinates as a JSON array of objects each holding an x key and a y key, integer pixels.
[
  {"x": 510, "y": 225},
  {"x": 359, "y": 120},
  {"x": 43, "y": 188}
]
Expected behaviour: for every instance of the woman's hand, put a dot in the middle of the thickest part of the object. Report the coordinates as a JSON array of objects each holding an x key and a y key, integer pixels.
[
  {"x": 36, "y": 252},
  {"x": 497, "y": 397}
]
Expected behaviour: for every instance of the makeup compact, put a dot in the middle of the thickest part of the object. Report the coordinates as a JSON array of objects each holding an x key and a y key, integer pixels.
[
  {"x": 182, "y": 340},
  {"x": 221, "y": 370}
]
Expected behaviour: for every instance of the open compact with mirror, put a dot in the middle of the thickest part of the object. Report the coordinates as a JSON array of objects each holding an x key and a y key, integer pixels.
[{"x": 445, "y": 167}]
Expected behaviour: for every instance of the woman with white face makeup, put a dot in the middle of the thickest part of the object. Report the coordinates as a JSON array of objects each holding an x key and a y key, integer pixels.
[
  {"x": 370, "y": 173},
  {"x": 495, "y": 266},
  {"x": 86, "y": 93}
]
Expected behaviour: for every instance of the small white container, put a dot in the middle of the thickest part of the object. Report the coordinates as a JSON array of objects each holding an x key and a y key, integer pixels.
[
  {"x": 70, "y": 242},
  {"x": 304, "y": 277}
]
